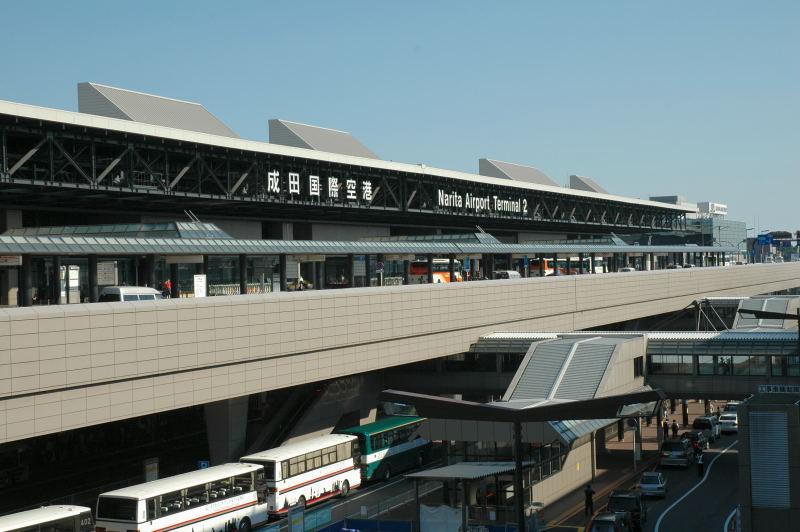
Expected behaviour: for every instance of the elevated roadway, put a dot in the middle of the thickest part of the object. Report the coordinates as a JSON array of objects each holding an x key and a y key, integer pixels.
[{"x": 69, "y": 366}]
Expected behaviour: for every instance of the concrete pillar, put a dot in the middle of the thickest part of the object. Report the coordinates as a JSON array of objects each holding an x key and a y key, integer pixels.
[
  {"x": 94, "y": 293},
  {"x": 204, "y": 266},
  {"x": 282, "y": 272},
  {"x": 569, "y": 265},
  {"x": 56, "y": 280},
  {"x": 378, "y": 262},
  {"x": 150, "y": 271},
  {"x": 647, "y": 260},
  {"x": 27, "y": 281},
  {"x": 406, "y": 272},
  {"x": 685, "y": 412},
  {"x": 226, "y": 426},
  {"x": 367, "y": 271},
  {"x": 430, "y": 268},
  {"x": 174, "y": 291},
  {"x": 473, "y": 267},
  {"x": 625, "y": 260},
  {"x": 541, "y": 265},
  {"x": 242, "y": 274},
  {"x": 555, "y": 264},
  {"x": 452, "y": 267},
  {"x": 592, "y": 259},
  {"x": 581, "y": 269},
  {"x": 351, "y": 272}
]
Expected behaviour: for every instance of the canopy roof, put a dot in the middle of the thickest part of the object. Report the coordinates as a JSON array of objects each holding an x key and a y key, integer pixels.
[{"x": 466, "y": 471}]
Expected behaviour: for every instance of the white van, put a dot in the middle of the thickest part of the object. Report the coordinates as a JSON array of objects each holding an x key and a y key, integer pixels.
[
  {"x": 129, "y": 293},
  {"x": 507, "y": 274}
]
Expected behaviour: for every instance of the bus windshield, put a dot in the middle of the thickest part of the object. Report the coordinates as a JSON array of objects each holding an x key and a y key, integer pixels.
[{"x": 116, "y": 509}]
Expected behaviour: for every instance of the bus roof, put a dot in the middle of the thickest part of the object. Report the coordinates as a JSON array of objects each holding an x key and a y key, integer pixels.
[
  {"x": 285, "y": 452},
  {"x": 39, "y": 515},
  {"x": 184, "y": 480},
  {"x": 387, "y": 423}
]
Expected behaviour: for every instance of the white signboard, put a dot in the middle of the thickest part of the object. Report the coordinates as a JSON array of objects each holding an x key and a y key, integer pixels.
[
  {"x": 200, "y": 286},
  {"x": 481, "y": 204},
  {"x": 107, "y": 273},
  {"x": 10, "y": 260}
]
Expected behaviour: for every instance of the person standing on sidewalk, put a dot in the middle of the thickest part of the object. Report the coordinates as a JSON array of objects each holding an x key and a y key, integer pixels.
[
  {"x": 674, "y": 429},
  {"x": 665, "y": 428},
  {"x": 588, "y": 492}
]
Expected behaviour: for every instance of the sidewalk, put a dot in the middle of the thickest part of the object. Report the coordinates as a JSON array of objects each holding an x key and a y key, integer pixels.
[{"x": 615, "y": 470}]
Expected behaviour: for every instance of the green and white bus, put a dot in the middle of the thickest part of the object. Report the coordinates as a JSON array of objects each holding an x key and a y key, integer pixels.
[{"x": 389, "y": 445}]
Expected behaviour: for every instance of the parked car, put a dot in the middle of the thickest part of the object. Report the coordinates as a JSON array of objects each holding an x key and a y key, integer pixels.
[
  {"x": 696, "y": 436},
  {"x": 610, "y": 522},
  {"x": 129, "y": 293},
  {"x": 627, "y": 269},
  {"x": 507, "y": 274},
  {"x": 630, "y": 502},
  {"x": 673, "y": 266},
  {"x": 653, "y": 484},
  {"x": 731, "y": 406},
  {"x": 709, "y": 425},
  {"x": 677, "y": 453},
  {"x": 729, "y": 422},
  {"x": 687, "y": 265}
]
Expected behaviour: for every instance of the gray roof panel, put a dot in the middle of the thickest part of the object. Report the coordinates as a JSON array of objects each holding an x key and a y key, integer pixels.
[
  {"x": 586, "y": 369},
  {"x": 317, "y": 138},
  {"x": 579, "y": 182},
  {"x": 516, "y": 172},
  {"x": 538, "y": 377},
  {"x": 113, "y": 102}
]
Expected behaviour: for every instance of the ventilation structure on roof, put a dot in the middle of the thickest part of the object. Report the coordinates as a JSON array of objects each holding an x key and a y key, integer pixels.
[
  {"x": 112, "y": 102},
  {"x": 579, "y": 182},
  {"x": 317, "y": 138},
  {"x": 516, "y": 172}
]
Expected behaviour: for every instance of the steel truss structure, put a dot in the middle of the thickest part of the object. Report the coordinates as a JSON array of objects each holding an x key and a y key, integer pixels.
[{"x": 60, "y": 165}]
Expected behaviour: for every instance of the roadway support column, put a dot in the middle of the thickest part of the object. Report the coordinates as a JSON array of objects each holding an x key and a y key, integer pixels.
[
  {"x": 685, "y": 412},
  {"x": 284, "y": 285},
  {"x": 452, "y": 267},
  {"x": 430, "y": 269},
  {"x": 150, "y": 269},
  {"x": 351, "y": 270},
  {"x": 555, "y": 264},
  {"x": 541, "y": 265},
  {"x": 204, "y": 267},
  {"x": 27, "y": 281},
  {"x": 569, "y": 265},
  {"x": 174, "y": 291},
  {"x": 518, "y": 495},
  {"x": 581, "y": 269},
  {"x": 56, "y": 280},
  {"x": 226, "y": 426},
  {"x": 367, "y": 271},
  {"x": 592, "y": 259},
  {"x": 406, "y": 271},
  {"x": 723, "y": 258},
  {"x": 242, "y": 274},
  {"x": 94, "y": 294}
]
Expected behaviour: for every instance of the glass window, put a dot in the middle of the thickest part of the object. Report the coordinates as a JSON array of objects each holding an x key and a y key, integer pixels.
[
  {"x": 62, "y": 525},
  {"x": 741, "y": 365},
  {"x": 725, "y": 365},
  {"x": 243, "y": 483},
  {"x": 779, "y": 368},
  {"x": 171, "y": 503},
  {"x": 794, "y": 366},
  {"x": 285, "y": 469},
  {"x": 759, "y": 365},
  {"x": 130, "y": 297},
  {"x": 152, "y": 509},
  {"x": 195, "y": 496},
  {"x": 705, "y": 365},
  {"x": 220, "y": 489},
  {"x": 117, "y": 509}
]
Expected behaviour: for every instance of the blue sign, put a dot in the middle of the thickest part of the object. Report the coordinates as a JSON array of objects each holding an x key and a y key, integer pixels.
[
  {"x": 466, "y": 263},
  {"x": 764, "y": 240},
  {"x": 203, "y": 464},
  {"x": 525, "y": 261}
]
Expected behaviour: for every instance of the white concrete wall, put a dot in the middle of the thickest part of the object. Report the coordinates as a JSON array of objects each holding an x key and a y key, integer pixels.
[
  {"x": 63, "y": 367},
  {"x": 576, "y": 472}
]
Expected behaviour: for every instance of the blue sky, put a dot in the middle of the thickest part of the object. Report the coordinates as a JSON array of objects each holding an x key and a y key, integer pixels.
[{"x": 696, "y": 98}]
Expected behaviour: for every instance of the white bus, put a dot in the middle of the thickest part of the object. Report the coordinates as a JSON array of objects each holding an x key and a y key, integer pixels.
[
  {"x": 223, "y": 497},
  {"x": 49, "y": 519},
  {"x": 310, "y": 471}
]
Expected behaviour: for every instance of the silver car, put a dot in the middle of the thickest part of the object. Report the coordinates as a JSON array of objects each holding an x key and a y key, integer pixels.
[
  {"x": 729, "y": 422},
  {"x": 653, "y": 484}
]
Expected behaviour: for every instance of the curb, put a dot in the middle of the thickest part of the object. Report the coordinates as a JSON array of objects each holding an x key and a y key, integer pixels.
[{"x": 578, "y": 508}]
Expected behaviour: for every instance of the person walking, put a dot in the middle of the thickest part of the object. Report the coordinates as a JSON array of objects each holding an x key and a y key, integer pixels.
[
  {"x": 588, "y": 493},
  {"x": 701, "y": 466},
  {"x": 674, "y": 429},
  {"x": 665, "y": 428}
]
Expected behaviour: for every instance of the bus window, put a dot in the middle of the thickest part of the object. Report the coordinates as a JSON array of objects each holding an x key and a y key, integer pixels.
[
  {"x": 242, "y": 483},
  {"x": 153, "y": 509},
  {"x": 195, "y": 496},
  {"x": 171, "y": 503},
  {"x": 117, "y": 509},
  {"x": 220, "y": 489}
]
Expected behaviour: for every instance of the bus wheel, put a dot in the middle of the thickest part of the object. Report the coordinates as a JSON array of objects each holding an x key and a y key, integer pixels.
[
  {"x": 244, "y": 525},
  {"x": 387, "y": 474},
  {"x": 345, "y": 488}
]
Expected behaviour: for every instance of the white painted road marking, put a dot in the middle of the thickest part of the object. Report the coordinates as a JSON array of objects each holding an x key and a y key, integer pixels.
[
  {"x": 708, "y": 472},
  {"x": 727, "y": 524}
]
